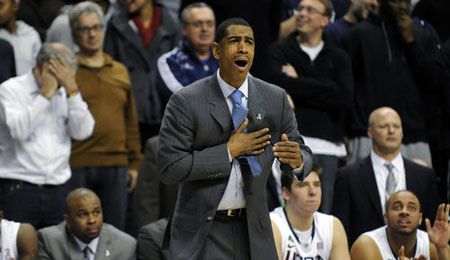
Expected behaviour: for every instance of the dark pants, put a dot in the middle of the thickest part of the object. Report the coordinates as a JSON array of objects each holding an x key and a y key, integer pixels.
[
  {"x": 329, "y": 166},
  {"x": 111, "y": 186},
  {"x": 39, "y": 205},
  {"x": 227, "y": 240}
]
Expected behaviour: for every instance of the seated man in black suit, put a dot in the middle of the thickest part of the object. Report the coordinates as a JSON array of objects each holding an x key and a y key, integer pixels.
[
  {"x": 363, "y": 188},
  {"x": 83, "y": 234}
]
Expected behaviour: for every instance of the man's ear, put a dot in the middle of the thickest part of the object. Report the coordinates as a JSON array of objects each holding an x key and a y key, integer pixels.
[
  {"x": 369, "y": 132},
  {"x": 66, "y": 218},
  {"x": 215, "y": 50},
  {"x": 285, "y": 192}
]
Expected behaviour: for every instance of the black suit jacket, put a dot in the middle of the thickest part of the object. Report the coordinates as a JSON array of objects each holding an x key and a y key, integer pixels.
[
  {"x": 193, "y": 152},
  {"x": 357, "y": 202}
]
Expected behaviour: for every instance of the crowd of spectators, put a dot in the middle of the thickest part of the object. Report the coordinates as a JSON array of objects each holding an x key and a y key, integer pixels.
[{"x": 84, "y": 88}]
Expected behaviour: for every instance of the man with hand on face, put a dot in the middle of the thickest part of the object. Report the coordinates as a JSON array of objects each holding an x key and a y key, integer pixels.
[
  {"x": 218, "y": 140},
  {"x": 83, "y": 233},
  {"x": 401, "y": 238},
  {"x": 302, "y": 232},
  {"x": 40, "y": 112},
  {"x": 106, "y": 162}
]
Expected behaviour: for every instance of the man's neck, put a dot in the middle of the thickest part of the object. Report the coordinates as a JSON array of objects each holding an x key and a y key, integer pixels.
[
  {"x": 388, "y": 156},
  {"x": 146, "y": 13},
  {"x": 91, "y": 59},
  {"x": 202, "y": 54},
  {"x": 310, "y": 40},
  {"x": 396, "y": 240},
  {"x": 298, "y": 221},
  {"x": 10, "y": 26},
  {"x": 350, "y": 17}
]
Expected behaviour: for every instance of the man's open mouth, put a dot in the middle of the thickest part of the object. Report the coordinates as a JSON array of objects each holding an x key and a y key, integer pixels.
[{"x": 241, "y": 63}]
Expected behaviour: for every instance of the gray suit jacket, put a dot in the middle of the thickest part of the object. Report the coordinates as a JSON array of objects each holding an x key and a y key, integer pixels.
[
  {"x": 57, "y": 243},
  {"x": 193, "y": 152}
]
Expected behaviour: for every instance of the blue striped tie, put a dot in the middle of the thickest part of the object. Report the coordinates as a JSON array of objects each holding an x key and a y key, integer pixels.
[{"x": 238, "y": 115}]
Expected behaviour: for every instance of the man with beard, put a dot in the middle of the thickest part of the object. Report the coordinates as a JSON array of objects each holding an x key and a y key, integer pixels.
[
  {"x": 83, "y": 234},
  {"x": 358, "y": 11},
  {"x": 400, "y": 238},
  {"x": 137, "y": 39}
]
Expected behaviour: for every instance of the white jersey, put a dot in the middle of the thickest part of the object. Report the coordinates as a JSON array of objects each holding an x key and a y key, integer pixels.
[
  {"x": 317, "y": 249},
  {"x": 379, "y": 236},
  {"x": 8, "y": 242}
]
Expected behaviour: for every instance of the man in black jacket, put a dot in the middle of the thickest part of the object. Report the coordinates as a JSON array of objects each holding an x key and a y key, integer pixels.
[
  {"x": 396, "y": 63},
  {"x": 318, "y": 78}
]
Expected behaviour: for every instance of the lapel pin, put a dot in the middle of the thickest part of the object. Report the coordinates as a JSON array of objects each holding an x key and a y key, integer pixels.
[{"x": 259, "y": 116}]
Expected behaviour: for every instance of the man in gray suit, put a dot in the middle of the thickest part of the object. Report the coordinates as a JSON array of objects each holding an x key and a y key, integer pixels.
[
  {"x": 218, "y": 140},
  {"x": 83, "y": 235}
]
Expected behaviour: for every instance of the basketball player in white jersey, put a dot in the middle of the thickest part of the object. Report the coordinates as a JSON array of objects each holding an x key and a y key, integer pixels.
[
  {"x": 300, "y": 232},
  {"x": 400, "y": 238},
  {"x": 17, "y": 241}
]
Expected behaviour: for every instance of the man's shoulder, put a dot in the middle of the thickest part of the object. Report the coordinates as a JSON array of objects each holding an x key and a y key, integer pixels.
[
  {"x": 56, "y": 232},
  {"x": 354, "y": 168},
  {"x": 16, "y": 84},
  {"x": 412, "y": 167},
  {"x": 118, "y": 237},
  {"x": 259, "y": 83}
]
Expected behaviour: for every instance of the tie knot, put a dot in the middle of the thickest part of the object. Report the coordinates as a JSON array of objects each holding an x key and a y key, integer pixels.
[
  {"x": 236, "y": 96},
  {"x": 389, "y": 166},
  {"x": 86, "y": 250}
]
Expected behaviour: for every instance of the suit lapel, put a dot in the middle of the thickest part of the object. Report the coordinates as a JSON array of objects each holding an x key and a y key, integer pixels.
[
  {"x": 73, "y": 250},
  {"x": 411, "y": 179},
  {"x": 370, "y": 183},
  {"x": 219, "y": 109},
  {"x": 256, "y": 113},
  {"x": 103, "y": 249}
]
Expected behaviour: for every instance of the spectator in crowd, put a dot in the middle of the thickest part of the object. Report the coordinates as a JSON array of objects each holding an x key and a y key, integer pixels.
[
  {"x": 8, "y": 64},
  {"x": 400, "y": 238},
  {"x": 394, "y": 64},
  {"x": 24, "y": 39},
  {"x": 108, "y": 161},
  {"x": 362, "y": 188},
  {"x": 436, "y": 12},
  {"x": 17, "y": 240},
  {"x": 221, "y": 209},
  {"x": 40, "y": 13},
  {"x": 318, "y": 77},
  {"x": 302, "y": 232},
  {"x": 59, "y": 30},
  {"x": 40, "y": 112},
  {"x": 83, "y": 233},
  {"x": 357, "y": 12},
  {"x": 153, "y": 241},
  {"x": 192, "y": 60},
  {"x": 263, "y": 16},
  {"x": 137, "y": 39}
]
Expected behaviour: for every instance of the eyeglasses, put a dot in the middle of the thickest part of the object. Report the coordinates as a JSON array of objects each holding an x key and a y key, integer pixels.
[
  {"x": 199, "y": 24},
  {"x": 309, "y": 10},
  {"x": 95, "y": 28}
]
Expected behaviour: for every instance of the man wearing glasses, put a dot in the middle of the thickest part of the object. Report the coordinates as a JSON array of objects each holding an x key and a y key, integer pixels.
[
  {"x": 108, "y": 161},
  {"x": 318, "y": 78},
  {"x": 192, "y": 59}
]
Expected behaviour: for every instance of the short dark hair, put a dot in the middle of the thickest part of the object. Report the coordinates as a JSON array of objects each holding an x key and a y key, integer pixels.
[
  {"x": 287, "y": 179},
  {"x": 222, "y": 30}
]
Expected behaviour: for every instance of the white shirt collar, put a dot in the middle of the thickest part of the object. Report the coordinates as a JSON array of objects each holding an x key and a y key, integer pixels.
[
  {"x": 378, "y": 162},
  {"x": 227, "y": 89},
  {"x": 92, "y": 245}
]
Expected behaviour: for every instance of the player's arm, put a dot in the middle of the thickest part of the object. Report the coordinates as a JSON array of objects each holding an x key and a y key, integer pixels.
[
  {"x": 365, "y": 248},
  {"x": 27, "y": 241},
  {"x": 339, "y": 249},
  {"x": 277, "y": 238}
]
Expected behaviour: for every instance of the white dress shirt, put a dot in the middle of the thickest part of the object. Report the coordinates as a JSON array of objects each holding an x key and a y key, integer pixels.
[
  {"x": 381, "y": 174},
  {"x": 233, "y": 197},
  {"x": 35, "y": 133},
  {"x": 92, "y": 246}
]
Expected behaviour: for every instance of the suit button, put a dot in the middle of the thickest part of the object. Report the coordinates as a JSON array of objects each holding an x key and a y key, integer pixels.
[{"x": 209, "y": 218}]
